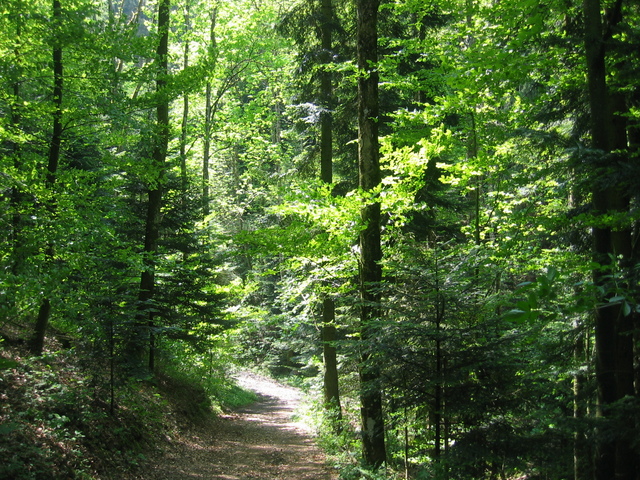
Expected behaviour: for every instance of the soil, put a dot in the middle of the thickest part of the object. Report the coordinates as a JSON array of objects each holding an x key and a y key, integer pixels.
[{"x": 258, "y": 442}]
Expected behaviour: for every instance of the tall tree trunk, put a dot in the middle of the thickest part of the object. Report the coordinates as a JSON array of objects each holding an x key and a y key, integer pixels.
[
  {"x": 374, "y": 451},
  {"x": 326, "y": 93},
  {"x": 614, "y": 347},
  {"x": 208, "y": 115},
  {"x": 145, "y": 320},
  {"x": 206, "y": 152},
  {"x": 581, "y": 356},
  {"x": 439, "y": 392},
  {"x": 16, "y": 151},
  {"x": 580, "y": 462},
  {"x": 184, "y": 127},
  {"x": 44, "y": 312},
  {"x": 331, "y": 379}
]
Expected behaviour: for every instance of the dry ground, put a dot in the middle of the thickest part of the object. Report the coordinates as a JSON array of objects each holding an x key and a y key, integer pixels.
[{"x": 258, "y": 442}]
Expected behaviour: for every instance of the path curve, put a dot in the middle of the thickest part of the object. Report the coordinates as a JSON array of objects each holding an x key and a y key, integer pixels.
[{"x": 258, "y": 442}]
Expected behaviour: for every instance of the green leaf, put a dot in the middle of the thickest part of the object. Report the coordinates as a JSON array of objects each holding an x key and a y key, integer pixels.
[
  {"x": 7, "y": 428},
  {"x": 6, "y": 363}
]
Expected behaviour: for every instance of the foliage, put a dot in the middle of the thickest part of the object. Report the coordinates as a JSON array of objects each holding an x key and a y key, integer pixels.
[
  {"x": 485, "y": 336},
  {"x": 56, "y": 422}
]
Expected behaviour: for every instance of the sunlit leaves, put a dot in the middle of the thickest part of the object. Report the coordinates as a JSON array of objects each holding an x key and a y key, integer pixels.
[{"x": 408, "y": 169}]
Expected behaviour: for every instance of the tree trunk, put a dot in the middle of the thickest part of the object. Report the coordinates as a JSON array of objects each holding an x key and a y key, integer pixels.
[
  {"x": 438, "y": 399},
  {"x": 331, "y": 384},
  {"x": 145, "y": 320},
  {"x": 208, "y": 118},
  {"x": 206, "y": 153},
  {"x": 44, "y": 312},
  {"x": 16, "y": 151},
  {"x": 331, "y": 379},
  {"x": 614, "y": 347},
  {"x": 184, "y": 127},
  {"x": 374, "y": 451},
  {"x": 326, "y": 93},
  {"x": 580, "y": 459}
]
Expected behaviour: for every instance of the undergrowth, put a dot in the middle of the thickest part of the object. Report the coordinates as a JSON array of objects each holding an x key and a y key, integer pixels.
[
  {"x": 57, "y": 420},
  {"x": 196, "y": 394},
  {"x": 339, "y": 438}
]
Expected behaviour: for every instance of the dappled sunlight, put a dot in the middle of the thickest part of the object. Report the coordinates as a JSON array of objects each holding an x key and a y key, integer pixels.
[{"x": 260, "y": 442}]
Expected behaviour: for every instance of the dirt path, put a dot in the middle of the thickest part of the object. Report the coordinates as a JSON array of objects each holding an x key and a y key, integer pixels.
[{"x": 259, "y": 442}]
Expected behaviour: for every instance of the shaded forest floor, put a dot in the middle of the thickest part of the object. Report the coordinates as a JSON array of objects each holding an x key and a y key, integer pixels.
[
  {"x": 261, "y": 441},
  {"x": 55, "y": 424}
]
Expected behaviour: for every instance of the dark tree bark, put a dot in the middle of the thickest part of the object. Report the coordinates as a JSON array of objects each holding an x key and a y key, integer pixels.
[
  {"x": 438, "y": 396},
  {"x": 613, "y": 338},
  {"x": 44, "y": 312},
  {"x": 208, "y": 117},
  {"x": 331, "y": 379},
  {"x": 184, "y": 127},
  {"x": 580, "y": 442},
  {"x": 374, "y": 451},
  {"x": 326, "y": 93},
  {"x": 145, "y": 321},
  {"x": 16, "y": 150}
]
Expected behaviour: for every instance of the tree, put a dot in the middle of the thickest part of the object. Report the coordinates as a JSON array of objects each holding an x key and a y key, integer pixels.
[
  {"x": 209, "y": 113},
  {"x": 184, "y": 126},
  {"x": 53, "y": 159},
  {"x": 145, "y": 317},
  {"x": 331, "y": 380},
  {"x": 374, "y": 452},
  {"x": 613, "y": 247},
  {"x": 15, "y": 153},
  {"x": 486, "y": 162}
]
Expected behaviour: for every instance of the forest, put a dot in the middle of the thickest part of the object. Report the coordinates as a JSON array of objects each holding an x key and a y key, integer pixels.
[{"x": 423, "y": 213}]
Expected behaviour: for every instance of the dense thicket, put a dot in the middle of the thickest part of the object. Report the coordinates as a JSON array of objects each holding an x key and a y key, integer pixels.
[{"x": 438, "y": 198}]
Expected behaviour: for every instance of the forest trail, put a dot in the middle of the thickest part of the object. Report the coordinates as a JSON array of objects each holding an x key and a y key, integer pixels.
[{"x": 257, "y": 442}]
